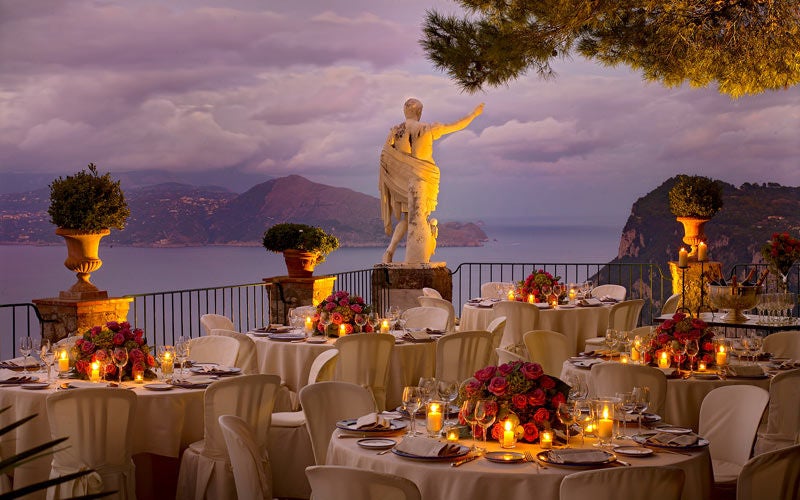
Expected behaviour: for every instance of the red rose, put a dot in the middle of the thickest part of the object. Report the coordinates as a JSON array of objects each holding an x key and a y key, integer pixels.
[
  {"x": 546, "y": 382},
  {"x": 531, "y": 433},
  {"x": 486, "y": 374},
  {"x": 541, "y": 416},
  {"x": 505, "y": 369},
  {"x": 498, "y": 386},
  {"x": 532, "y": 371},
  {"x": 497, "y": 431},
  {"x": 82, "y": 366},
  {"x": 118, "y": 339},
  {"x": 330, "y": 306},
  {"x": 113, "y": 326},
  {"x": 708, "y": 346},
  {"x": 472, "y": 387},
  {"x": 344, "y": 303},
  {"x": 519, "y": 401},
  {"x": 337, "y": 318},
  {"x": 87, "y": 347},
  {"x": 557, "y": 400},
  {"x": 536, "y": 397},
  {"x": 356, "y": 308},
  {"x": 151, "y": 361}
]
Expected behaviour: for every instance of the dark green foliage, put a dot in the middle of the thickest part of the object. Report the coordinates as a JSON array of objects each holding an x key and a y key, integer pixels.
[
  {"x": 290, "y": 236},
  {"x": 88, "y": 201},
  {"x": 695, "y": 196}
]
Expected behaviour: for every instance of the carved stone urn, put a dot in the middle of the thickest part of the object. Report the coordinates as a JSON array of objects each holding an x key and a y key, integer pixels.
[
  {"x": 82, "y": 259},
  {"x": 299, "y": 263},
  {"x": 693, "y": 232}
]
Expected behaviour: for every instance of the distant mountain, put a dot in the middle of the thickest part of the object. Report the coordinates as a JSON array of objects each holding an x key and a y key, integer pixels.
[{"x": 175, "y": 214}]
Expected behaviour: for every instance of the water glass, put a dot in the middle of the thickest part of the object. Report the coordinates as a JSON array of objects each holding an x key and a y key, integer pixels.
[
  {"x": 182, "y": 352},
  {"x": 47, "y": 355},
  {"x": 448, "y": 391},
  {"x": 567, "y": 413},
  {"x": 412, "y": 402},
  {"x": 120, "y": 359},
  {"x": 468, "y": 414},
  {"x": 485, "y": 415},
  {"x": 25, "y": 348}
]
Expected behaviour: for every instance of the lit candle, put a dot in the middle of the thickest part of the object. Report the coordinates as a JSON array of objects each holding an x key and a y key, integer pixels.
[
  {"x": 63, "y": 361},
  {"x": 605, "y": 426},
  {"x": 385, "y": 326},
  {"x": 721, "y": 357},
  {"x": 508, "y": 434},
  {"x": 530, "y": 298},
  {"x": 637, "y": 344},
  {"x": 702, "y": 251},
  {"x": 683, "y": 258},
  {"x": 167, "y": 364},
  {"x": 309, "y": 326},
  {"x": 701, "y": 366},
  {"x": 623, "y": 358},
  {"x": 138, "y": 378},
  {"x": 434, "y": 418},
  {"x": 511, "y": 295},
  {"x": 572, "y": 294},
  {"x": 95, "y": 374},
  {"x": 663, "y": 360},
  {"x": 342, "y": 330},
  {"x": 452, "y": 434},
  {"x": 546, "y": 439}
]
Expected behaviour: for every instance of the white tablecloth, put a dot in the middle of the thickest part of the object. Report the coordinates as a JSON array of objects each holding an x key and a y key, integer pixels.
[
  {"x": 480, "y": 479},
  {"x": 578, "y": 323}
]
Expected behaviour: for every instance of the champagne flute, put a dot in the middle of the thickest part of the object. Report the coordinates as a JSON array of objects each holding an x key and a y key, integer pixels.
[
  {"x": 692, "y": 349},
  {"x": 567, "y": 415},
  {"x": 25, "y": 348},
  {"x": 485, "y": 417},
  {"x": 468, "y": 414},
  {"x": 48, "y": 356},
  {"x": 120, "y": 357},
  {"x": 412, "y": 402},
  {"x": 448, "y": 390}
]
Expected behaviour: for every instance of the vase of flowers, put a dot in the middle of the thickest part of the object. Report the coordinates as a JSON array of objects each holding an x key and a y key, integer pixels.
[
  {"x": 538, "y": 284},
  {"x": 674, "y": 333},
  {"x": 341, "y": 308},
  {"x": 517, "y": 391},
  {"x": 98, "y": 343},
  {"x": 780, "y": 253}
]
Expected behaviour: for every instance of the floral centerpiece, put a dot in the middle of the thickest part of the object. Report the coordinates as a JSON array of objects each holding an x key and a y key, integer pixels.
[
  {"x": 518, "y": 388},
  {"x": 532, "y": 285},
  {"x": 99, "y": 342},
  {"x": 780, "y": 253},
  {"x": 673, "y": 333},
  {"x": 342, "y": 308}
]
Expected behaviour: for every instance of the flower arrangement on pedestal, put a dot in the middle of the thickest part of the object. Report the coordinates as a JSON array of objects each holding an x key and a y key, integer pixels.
[
  {"x": 518, "y": 388},
  {"x": 673, "y": 333},
  {"x": 342, "y": 308},
  {"x": 780, "y": 253},
  {"x": 99, "y": 342},
  {"x": 532, "y": 285}
]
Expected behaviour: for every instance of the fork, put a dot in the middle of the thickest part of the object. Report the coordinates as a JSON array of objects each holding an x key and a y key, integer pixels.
[{"x": 530, "y": 458}]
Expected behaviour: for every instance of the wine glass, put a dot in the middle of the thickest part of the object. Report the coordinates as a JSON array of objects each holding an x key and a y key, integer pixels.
[
  {"x": 485, "y": 417},
  {"x": 467, "y": 412},
  {"x": 626, "y": 408},
  {"x": 120, "y": 358},
  {"x": 325, "y": 321},
  {"x": 546, "y": 290},
  {"x": 755, "y": 344},
  {"x": 101, "y": 356},
  {"x": 25, "y": 348},
  {"x": 360, "y": 320},
  {"x": 567, "y": 413},
  {"x": 586, "y": 287},
  {"x": 374, "y": 321},
  {"x": 394, "y": 315},
  {"x": 692, "y": 349},
  {"x": 558, "y": 290},
  {"x": 427, "y": 389},
  {"x": 611, "y": 340},
  {"x": 448, "y": 390},
  {"x": 681, "y": 352},
  {"x": 641, "y": 401},
  {"x": 578, "y": 390},
  {"x": 412, "y": 402},
  {"x": 182, "y": 352},
  {"x": 583, "y": 409},
  {"x": 48, "y": 355}
]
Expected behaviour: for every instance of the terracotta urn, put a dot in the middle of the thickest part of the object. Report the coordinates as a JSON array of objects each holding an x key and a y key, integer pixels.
[
  {"x": 82, "y": 259},
  {"x": 693, "y": 232},
  {"x": 299, "y": 263}
]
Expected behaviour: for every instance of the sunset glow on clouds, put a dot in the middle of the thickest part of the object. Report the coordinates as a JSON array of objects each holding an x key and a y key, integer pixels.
[{"x": 313, "y": 89}]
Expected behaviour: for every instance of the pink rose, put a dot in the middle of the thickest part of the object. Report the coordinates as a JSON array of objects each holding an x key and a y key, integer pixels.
[
  {"x": 96, "y": 330},
  {"x": 113, "y": 326},
  {"x": 356, "y": 308},
  {"x": 330, "y": 298},
  {"x": 472, "y": 387},
  {"x": 541, "y": 416},
  {"x": 532, "y": 371},
  {"x": 519, "y": 401},
  {"x": 531, "y": 433},
  {"x": 358, "y": 299},
  {"x": 485, "y": 374},
  {"x": 505, "y": 369},
  {"x": 546, "y": 382},
  {"x": 128, "y": 334},
  {"x": 118, "y": 339},
  {"x": 536, "y": 397},
  {"x": 498, "y": 386},
  {"x": 348, "y": 328},
  {"x": 344, "y": 302},
  {"x": 330, "y": 306},
  {"x": 337, "y": 318},
  {"x": 125, "y": 324},
  {"x": 557, "y": 400},
  {"x": 87, "y": 347}
]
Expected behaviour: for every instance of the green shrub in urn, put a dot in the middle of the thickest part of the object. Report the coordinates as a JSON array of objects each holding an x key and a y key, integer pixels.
[
  {"x": 291, "y": 236},
  {"x": 695, "y": 196},
  {"x": 88, "y": 201}
]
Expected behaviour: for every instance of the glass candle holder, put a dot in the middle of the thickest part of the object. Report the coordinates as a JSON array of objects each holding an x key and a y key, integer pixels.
[
  {"x": 546, "y": 439},
  {"x": 62, "y": 358},
  {"x": 452, "y": 433},
  {"x": 508, "y": 439},
  {"x": 603, "y": 412},
  {"x": 137, "y": 372},
  {"x": 434, "y": 417}
]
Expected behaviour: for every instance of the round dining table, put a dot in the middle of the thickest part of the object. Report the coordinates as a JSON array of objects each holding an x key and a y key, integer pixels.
[{"x": 481, "y": 479}]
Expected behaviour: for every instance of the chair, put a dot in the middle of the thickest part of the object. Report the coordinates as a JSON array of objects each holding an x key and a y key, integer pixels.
[
  {"x": 434, "y": 318},
  {"x": 506, "y": 356},
  {"x": 322, "y": 369},
  {"x": 784, "y": 344},
  {"x": 774, "y": 475},
  {"x": 671, "y": 304},
  {"x": 246, "y": 358},
  {"x": 653, "y": 483},
  {"x": 622, "y": 316},
  {"x": 217, "y": 349},
  {"x": 607, "y": 379},
  {"x": 431, "y": 292},
  {"x": 616, "y": 292},
  {"x": 459, "y": 355},
  {"x": 205, "y": 470},
  {"x": 364, "y": 360},
  {"x": 497, "y": 326},
  {"x": 97, "y": 422},
  {"x": 214, "y": 321},
  {"x": 729, "y": 417},
  {"x": 783, "y": 420},
  {"x": 443, "y": 304},
  {"x": 251, "y": 468},
  {"x": 521, "y": 317},
  {"x": 67, "y": 342},
  {"x": 326, "y": 403},
  {"x": 490, "y": 289},
  {"x": 548, "y": 348},
  {"x": 335, "y": 482}
]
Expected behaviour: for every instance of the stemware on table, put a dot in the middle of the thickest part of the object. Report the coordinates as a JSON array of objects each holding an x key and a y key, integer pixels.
[
  {"x": 427, "y": 389},
  {"x": 325, "y": 321},
  {"x": 25, "y": 348},
  {"x": 120, "y": 357},
  {"x": 360, "y": 320},
  {"x": 468, "y": 414},
  {"x": 611, "y": 339},
  {"x": 692, "y": 349},
  {"x": 47, "y": 355},
  {"x": 567, "y": 413},
  {"x": 182, "y": 352},
  {"x": 448, "y": 391},
  {"x": 412, "y": 402},
  {"x": 641, "y": 401},
  {"x": 485, "y": 417}
]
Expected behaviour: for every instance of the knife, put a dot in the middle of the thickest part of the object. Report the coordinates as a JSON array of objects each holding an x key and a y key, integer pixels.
[{"x": 464, "y": 460}]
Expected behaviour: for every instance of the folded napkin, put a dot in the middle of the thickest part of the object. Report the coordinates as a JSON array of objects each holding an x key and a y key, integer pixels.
[
  {"x": 577, "y": 456},
  {"x": 670, "y": 439},
  {"x": 589, "y": 302},
  {"x": 608, "y": 300},
  {"x": 20, "y": 362},
  {"x": 745, "y": 371},
  {"x": 18, "y": 380},
  {"x": 189, "y": 385},
  {"x": 418, "y": 335},
  {"x": 433, "y": 331},
  {"x": 585, "y": 362},
  {"x": 373, "y": 422},
  {"x": 428, "y": 447}
]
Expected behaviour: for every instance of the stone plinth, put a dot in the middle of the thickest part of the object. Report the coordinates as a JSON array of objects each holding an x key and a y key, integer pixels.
[
  {"x": 398, "y": 284},
  {"x": 286, "y": 293},
  {"x": 692, "y": 299},
  {"x": 76, "y": 316}
]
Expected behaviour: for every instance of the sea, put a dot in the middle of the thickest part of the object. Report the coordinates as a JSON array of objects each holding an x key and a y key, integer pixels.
[{"x": 32, "y": 272}]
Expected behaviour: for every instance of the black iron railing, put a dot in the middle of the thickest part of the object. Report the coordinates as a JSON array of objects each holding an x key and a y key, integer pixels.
[{"x": 18, "y": 320}]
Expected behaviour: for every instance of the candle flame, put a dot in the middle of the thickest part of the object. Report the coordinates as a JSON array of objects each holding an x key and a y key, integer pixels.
[
  {"x": 605, "y": 412},
  {"x": 722, "y": 348},
  {"x": 63, "y": 354},
  {"x": 508, "y": 425}
]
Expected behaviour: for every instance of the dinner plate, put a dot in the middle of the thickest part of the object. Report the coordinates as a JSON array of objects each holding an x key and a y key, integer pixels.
[
  {"x": 82, "y": 384},
  {"x": 158, "y": 387},
  {"x": 647, "y": 418},
  {"x": 316, "y": 340},
  {"x": 566, "y": 306},
  {"x": 633, "y": 451},
  {"x": 504, "y": 457},
  {"x": 642, "y": 439},
  {"x": 376, "y": 443},
  {"x": 673, "y": 430},
  {"x": 608, "y": 457},
  {"x": 286, "y": 337},
  {"x": 462, "y": 452},
  {"x": 705, "y": 376},
  {"x": 350, "y": 425},
  {"x": 35, "y": 385},
  {"x": 218, "y": 370}
]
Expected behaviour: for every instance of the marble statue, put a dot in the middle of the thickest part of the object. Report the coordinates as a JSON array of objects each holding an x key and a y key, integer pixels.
[{"x": 409, "y": 182}]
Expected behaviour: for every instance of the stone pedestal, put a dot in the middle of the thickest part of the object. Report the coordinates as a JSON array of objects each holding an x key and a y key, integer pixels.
[
  {"x": 286, "y": 293},
  {"x": 398, "y": 284},
  {"x": 692, "y": 275},
  {"x": 72, "y": 317}
]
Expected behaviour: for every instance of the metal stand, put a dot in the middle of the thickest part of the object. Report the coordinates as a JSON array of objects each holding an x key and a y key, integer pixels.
[{"x": 683, "y": 307}]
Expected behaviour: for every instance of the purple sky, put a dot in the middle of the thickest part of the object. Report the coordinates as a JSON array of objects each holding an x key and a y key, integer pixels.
[{"x": 311, "y": 87}]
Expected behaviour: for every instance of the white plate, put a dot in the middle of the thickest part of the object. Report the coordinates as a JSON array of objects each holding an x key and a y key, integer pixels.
[
  {"x": 505, "y": 457},
  {"x": 633, "y": 451},
  {"x": 83, "y": 384},
  {"x": 351, "y": 425},
  {"x": 201, "y": 380},
  {"x": 376, "y": 443},
  {"x": 35, "y": 385},
  {"x": 316, "y": 340},
  {"x": 566, "y": 306},
  {"x": 216, "y": 370},
  {"x": 158, "y": 387},
  {"x": 674, "y": 430}
]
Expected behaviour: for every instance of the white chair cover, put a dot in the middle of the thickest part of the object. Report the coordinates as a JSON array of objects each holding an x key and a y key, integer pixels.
[
  {"x": 205, "y": 466},
  {"x": 215, "y": 321},
  {"x": 214, "y": 349},
  {"x": 334, "y": 482},
  {"x": 506, "y": 356},
  {"x": 520, "y": 317},
  {"x": 496, "y": 327},
  {"x": 246, "y": 358},
  {"x": 364, "y": 360},
  {"x": 653, "y": 483},
  {"x": 774, "y": 475},
  {"x": 251, "y": 466},
  {"x": 303, "y": 311},
  {"x": 549, "y": 349},
  {"x": 610, "y": 378},
  {"x": 783, "y": 344},
  {"x": 431, "y": 292},
  {"x": 443, "y": 304},
  {"x": 616, "y": 292},
  {"x": 671, "y": 304},
  {"x": 434, "y": 318},
  {"x": 625, "y": 315},
  {"x": 489, "y": 290},
  {"x": 459, "y": 355},
  {"x": 324, "y": 404},
  {"x": 97, "y": 422},
  {"x": 783, "y": 420},
  {"x": 67, "y": 342},
  {"x": 729, "y": 417},
  {"x": 322, "y": 369}
]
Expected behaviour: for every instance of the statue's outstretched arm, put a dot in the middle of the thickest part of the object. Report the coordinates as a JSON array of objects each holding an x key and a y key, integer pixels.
[{"x": 440, "y": 129}]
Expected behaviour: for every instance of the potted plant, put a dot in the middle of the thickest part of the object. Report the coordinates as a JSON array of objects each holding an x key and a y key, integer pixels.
[
  {"x": 84, "y": 206},
  {"x": 694, "y": 200},
  {"x": 303, "y": 246}
]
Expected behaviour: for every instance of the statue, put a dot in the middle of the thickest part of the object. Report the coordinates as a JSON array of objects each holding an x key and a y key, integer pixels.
[{"x": 409, "y": 182}]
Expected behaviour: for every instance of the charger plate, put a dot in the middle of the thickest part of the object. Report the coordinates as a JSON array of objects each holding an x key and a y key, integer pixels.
[{"x": 462, "y": 452}]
